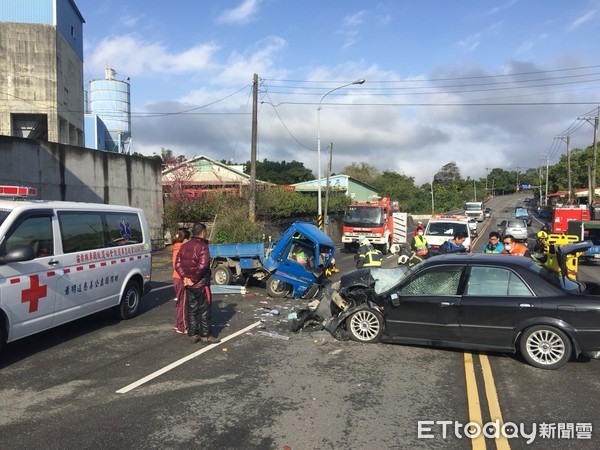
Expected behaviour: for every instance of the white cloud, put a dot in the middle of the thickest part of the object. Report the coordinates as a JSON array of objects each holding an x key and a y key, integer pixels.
[
  {"x": 470, "y": 42},
  {"x": 132, "y": 55},
  {"x": 240, "y": 67},
  {"x": 355, "y": 19},
  {"x": 581, "y": 20},
  {"x": 244, "y": 13}
]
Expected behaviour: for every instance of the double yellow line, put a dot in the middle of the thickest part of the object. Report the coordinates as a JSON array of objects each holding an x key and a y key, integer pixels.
[{"x": 475, "y": 414}]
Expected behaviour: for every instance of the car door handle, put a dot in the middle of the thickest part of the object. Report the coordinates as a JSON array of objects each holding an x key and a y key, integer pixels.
[
  {"x": 525, "y": 305},
  {"x": 53, "y": 263},
  {"x": 446, "y": 304}
]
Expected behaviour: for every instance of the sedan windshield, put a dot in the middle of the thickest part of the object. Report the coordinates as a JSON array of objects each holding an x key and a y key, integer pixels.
[{"x": 387, "y": 278}]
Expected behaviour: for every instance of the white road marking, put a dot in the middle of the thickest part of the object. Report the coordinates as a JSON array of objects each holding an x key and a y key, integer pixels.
[
  {"x": 162, "y": 287},
  {"x": 182, "y": 360}
]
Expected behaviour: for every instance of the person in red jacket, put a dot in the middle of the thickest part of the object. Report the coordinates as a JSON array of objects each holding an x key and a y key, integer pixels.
[
  {"x": 193, "y": 266},
  {"x": 180, "y": 320}
]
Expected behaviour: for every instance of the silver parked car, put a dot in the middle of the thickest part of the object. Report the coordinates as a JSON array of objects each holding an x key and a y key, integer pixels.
[{"x": 515, "y": 227}]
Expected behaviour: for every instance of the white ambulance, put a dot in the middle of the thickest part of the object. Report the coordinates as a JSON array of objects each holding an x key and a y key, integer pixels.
[
  {"x": 441, "y": 228},
  {"x": 60, "y": 261}
]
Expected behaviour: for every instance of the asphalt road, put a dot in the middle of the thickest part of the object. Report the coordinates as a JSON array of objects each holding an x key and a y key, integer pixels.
[{"x": 103, "y": 383}]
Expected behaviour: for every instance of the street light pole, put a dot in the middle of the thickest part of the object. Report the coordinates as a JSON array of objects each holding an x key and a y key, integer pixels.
[{"x": 319, "y": 205}]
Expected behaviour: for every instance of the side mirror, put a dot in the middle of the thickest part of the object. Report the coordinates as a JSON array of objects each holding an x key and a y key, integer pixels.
[{"x": 18, "y": 253}]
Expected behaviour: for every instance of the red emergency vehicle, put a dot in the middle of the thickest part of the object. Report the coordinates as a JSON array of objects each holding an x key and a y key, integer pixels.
[
  {"x": 370, "y": 219},
  {"x": 562, "y": 215}
]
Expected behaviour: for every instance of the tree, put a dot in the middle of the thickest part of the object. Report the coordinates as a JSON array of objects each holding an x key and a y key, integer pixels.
[
  {"x": 362, "y": 172},
  {"x": 281, "y": 172},
  {"x": 447, "y": 174},
  {"x": 400, "y": 188}
]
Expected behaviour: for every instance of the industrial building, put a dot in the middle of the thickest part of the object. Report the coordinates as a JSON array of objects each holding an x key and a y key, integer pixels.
[
  {"x": 108, "y": 120},
  {"x": 41, "y": 70}
]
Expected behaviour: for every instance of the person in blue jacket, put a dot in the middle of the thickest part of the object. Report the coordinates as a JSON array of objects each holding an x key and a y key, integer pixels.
[
  {"x": 494, "y": 245},
  {"x": 454, "y": 245}
]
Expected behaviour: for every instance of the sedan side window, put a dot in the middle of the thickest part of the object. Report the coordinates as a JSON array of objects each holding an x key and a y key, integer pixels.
[
  {"x": 442, "y": 280},
  {"x": 495, "y": 282}
]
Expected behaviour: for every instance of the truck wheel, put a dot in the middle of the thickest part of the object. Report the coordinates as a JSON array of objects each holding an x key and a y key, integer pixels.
[
  {"x": 277, "y": 288},
  {"x": 130, "y": 302},
  {"x": 222, "y": 275}
]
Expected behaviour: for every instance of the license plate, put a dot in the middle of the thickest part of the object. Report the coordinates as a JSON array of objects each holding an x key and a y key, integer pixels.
[{"x": 597, "y": 256}]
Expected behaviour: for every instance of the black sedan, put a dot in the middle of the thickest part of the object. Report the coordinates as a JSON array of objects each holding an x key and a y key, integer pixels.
[{"x": 468, "y": 301}]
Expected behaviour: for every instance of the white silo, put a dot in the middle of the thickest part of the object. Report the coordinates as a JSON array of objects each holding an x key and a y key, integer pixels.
[{"x": 110, "y": 100}]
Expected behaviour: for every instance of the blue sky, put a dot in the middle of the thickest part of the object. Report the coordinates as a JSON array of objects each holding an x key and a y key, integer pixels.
[{"x": 480, "y": 83}]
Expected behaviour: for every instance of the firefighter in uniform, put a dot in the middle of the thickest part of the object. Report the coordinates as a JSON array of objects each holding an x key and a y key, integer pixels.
[
  {"x": 367, "y": 256},
  {"x": 539, "y": 249}
]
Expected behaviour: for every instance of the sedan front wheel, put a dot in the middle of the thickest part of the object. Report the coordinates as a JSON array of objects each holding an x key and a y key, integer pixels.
[
  {"x": 546, "y": 347},
  {"x": 365, "y": 326}
]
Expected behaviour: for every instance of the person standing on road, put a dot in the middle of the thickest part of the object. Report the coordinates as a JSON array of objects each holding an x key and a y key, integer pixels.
[
  {"x": 494, "y": 245},
  {"x": 511, "y": 247},
  {"x": 193, "y": 266},
  {"x": 454, "y": 245},
  {"x": 418, "y": 243},
  {"x": 367, "y": 256},
  {"x": 180, "y": 320}
]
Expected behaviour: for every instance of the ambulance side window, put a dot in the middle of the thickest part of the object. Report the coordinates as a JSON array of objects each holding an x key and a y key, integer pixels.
[
  {"x": 123, "y": 229},
  {"x": 34, "y": 231},
  {"x": 81, "y": 231}
]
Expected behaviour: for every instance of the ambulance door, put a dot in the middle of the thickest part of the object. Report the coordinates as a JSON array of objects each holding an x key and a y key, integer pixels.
[
  {"x": 86, "y": 282},
  {"x": 28, "y": 288}
]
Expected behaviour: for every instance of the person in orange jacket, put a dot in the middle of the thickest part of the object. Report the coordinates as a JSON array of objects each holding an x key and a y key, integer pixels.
[
  {"x": 511, "y": 247},
  {"x": 180, "y": 320}
]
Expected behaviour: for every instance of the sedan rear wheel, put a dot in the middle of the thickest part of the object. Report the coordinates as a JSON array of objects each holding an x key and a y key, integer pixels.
[
  {"x": 365, "y": 326},
  {"x": 546, "y": 347}
]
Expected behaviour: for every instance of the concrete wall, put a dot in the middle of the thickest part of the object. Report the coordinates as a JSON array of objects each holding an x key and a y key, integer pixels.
[
  {"x": 63, "y": 172},
  {"x": 41, "y": 74}
]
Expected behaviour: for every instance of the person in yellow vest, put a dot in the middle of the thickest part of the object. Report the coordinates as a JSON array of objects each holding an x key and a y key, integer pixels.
[
  {"x": 367, "y": 256},
  {"x": 418, "y": 243}
]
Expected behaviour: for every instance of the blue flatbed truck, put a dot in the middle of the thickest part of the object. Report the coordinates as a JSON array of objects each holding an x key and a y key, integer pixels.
[{"x": 277, "y": 264}]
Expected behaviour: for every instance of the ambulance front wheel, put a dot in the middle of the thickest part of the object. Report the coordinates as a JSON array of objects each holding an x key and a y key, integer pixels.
[
  {"x": 130, "y": 301},
  {"x": 2, "y": 338}
]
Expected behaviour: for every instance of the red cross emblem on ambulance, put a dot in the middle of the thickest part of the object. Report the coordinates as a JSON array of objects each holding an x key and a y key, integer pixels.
[{"x": 34, "y": 293}]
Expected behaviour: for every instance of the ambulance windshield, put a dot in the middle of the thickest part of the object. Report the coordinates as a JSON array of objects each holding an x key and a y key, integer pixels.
[{"x": 3, "y": 215}]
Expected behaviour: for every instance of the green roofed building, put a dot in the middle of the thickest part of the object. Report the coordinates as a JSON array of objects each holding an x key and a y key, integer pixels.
[{"x": 356, "y": 190}]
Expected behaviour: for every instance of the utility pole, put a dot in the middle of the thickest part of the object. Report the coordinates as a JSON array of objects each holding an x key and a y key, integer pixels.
[
  {"x": 517, "y": 186},
  {"x": 252, "y": 205},
  {"x": 592, "y": 181},
  {"x": 567, "y": 139},
  {"x": 547, "y": 168},
  {"x": 432, "y": 200},
  {"x": 328, "y": 170}
]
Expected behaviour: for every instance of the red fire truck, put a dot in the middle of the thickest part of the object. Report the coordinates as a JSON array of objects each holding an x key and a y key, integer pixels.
[
  {"x": 562, "y": 215},
  {"x": 370, "y": 219}
]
